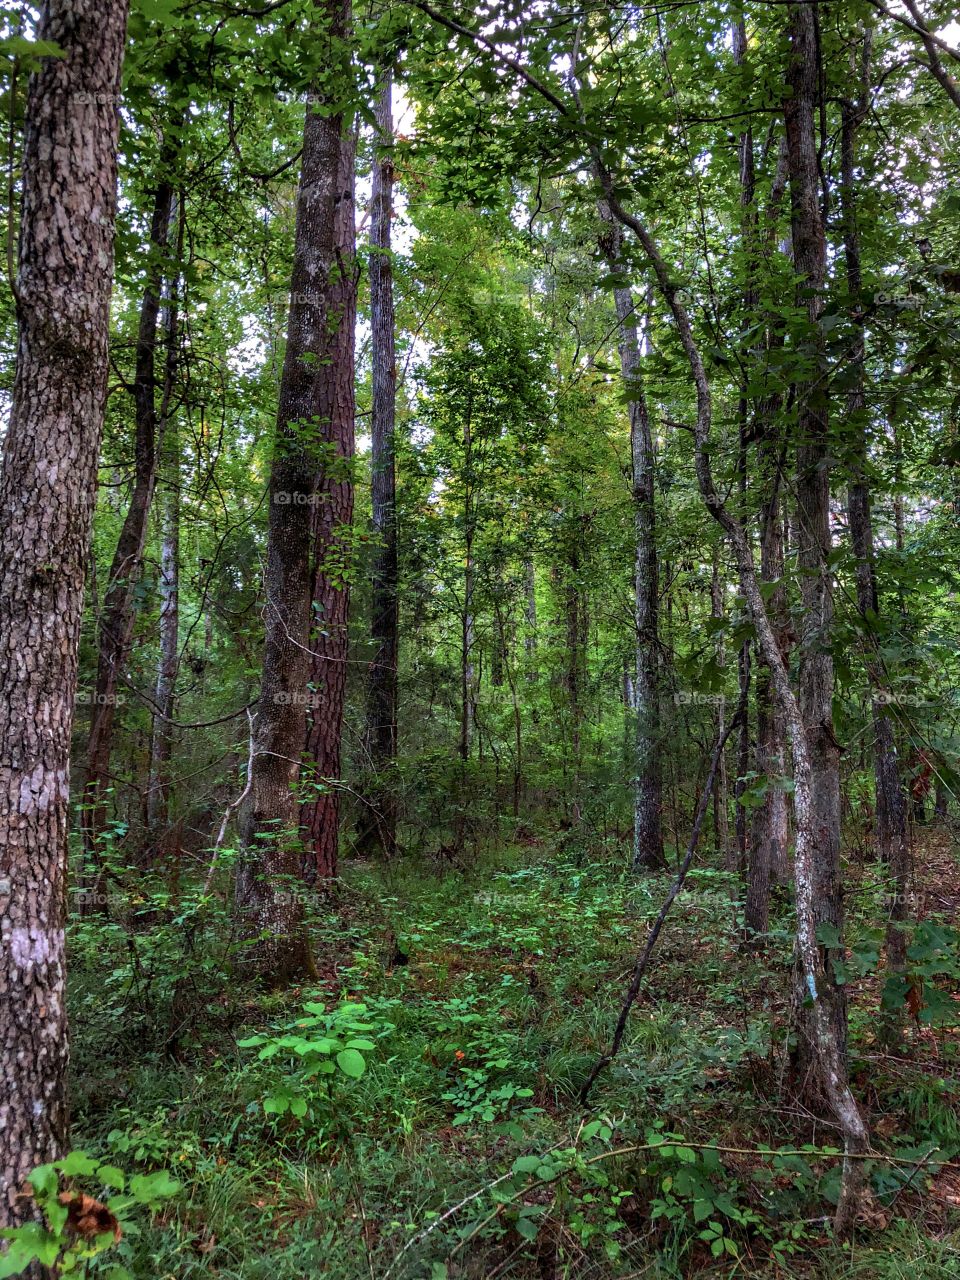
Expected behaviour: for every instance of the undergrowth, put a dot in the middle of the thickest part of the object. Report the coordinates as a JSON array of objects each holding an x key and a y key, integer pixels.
[{"x": 332, "y": 1131}]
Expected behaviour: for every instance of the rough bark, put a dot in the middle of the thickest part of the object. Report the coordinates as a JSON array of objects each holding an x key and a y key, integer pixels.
[
  {"x": 267, "y": 899},
  {"x": 648, "y": 786},
  {"x": 331, "y": 533},
  {"x": 381, "y": 821},
  {"x": 47, "y": 494},
  {"x": 813, "y": 532},
  {"x": 118, "y": 615}
]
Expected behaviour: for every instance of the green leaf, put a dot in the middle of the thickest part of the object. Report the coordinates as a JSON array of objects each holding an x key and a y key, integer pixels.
[
  {"x": 77, "y": 1164},
  {"x": 111, "y": 1176},
  {"x": 828, "y": 935},
  {"x": 44, "y": 1180},
  {"x": 527, "y": 1228},
  {"x": 148, "y": 1188},
  {"x": 702, "y": 1209},
  {"x": 351, "y": 1063}
]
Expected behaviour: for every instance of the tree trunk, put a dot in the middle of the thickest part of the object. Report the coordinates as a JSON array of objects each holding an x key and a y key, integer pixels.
[
  {"x": 648, "y": 785},
  {"x": 890, "y": 827},
  {"x": 768, "y": 852},
  {"x": 270, "y": 870},
  {"x": 381, "y": 821},
  {"x": 332, "y": 533},
  {"x": 721, "y": 825},
  {"x": 810, "y": 956},
  {"x": 530, "y": 619},
  {"x": 813, "y": 532},
  {"x": 118, "y": 614},
  {"x": 47, "y": 494},
  {"x": 161, "y": 746}
]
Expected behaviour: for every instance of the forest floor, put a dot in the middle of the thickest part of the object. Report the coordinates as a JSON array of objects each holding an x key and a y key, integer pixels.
[{"x": 451, "y": 1143}]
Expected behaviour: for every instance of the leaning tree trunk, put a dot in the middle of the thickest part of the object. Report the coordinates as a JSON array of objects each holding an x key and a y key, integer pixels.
[
  {"x": 117, "y": 616},
  {"x": 892, "y": 846},
  {"x": 381, "y": 821},
  {"x": 648, "y": 787},
  {"x": 331, "y": 533},
  {"x": 47, "y": 492},
  {"x": 830, "y": 1057},
  {"x": 814, "y": 541},
  {"x": 267, "y": 895}
]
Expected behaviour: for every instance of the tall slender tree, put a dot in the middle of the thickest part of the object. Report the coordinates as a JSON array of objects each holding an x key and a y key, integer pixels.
[
  {"x": 891, "y": 815},
  {"x": 382, "y": 684},
  {"x": 118, "y": 615},
  {"x": 648, "y": 801},
  {"x": 813, "y": 522}
]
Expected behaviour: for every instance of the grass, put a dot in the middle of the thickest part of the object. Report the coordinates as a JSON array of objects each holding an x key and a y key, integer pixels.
[{"x": 491, "y": 992}]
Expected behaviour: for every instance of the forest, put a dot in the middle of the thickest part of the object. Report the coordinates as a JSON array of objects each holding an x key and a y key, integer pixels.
[{"x": 479, "y": 639}]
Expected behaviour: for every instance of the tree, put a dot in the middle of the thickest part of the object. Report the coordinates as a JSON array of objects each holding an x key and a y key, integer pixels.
[
  {"x": 381, "y": 821},
  {"x": 271, "y": 865},
  {"x": 47, "y": 491},
  {"x": 647, "y": 832},
  {"x": 117, "y": 615},
  {"x": 332, "y": 533},
  {"x": 816, "y": 684}
]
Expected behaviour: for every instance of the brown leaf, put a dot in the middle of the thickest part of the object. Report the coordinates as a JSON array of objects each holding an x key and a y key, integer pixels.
[{"x": 87, "y": 1217}]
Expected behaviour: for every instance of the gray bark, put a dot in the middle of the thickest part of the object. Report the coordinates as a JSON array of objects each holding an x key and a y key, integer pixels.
[{"x": 47, "y": 495}]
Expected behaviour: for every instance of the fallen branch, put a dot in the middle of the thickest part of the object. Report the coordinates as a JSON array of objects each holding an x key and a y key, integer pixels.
[
  {"x": 232, "y": 807},
  {"x": 641, "y": 965}
]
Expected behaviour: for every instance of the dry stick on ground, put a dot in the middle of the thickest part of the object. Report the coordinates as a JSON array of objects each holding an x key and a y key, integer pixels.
[
  {"x": 232, "y": 807},
  {"x": 641, "y": 967}
]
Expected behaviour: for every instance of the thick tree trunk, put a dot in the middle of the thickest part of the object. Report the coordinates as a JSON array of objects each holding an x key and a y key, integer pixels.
[
  {"x": 381, "y": 820},
  {"x": 890, "y": 828},
  {"x": 47, "y": 493},
  {"x": 648, "y": 798},
  {"x": 117, "y": 617},
  {"x": 813, "y": 533},
  {"x": 332, "y": 533},
  {"x": 267, "y": 897}
]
